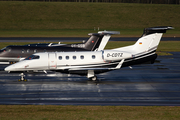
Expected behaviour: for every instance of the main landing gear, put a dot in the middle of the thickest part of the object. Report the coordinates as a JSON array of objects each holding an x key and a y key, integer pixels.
[
  {"x": 22, "y": 78},
  {"x": 91, "y": 75}
]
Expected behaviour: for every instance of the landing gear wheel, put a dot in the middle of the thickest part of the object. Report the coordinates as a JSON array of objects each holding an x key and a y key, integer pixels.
[
  {"x": 25, "y": 80},
  {"x": 93, "y": 78}
]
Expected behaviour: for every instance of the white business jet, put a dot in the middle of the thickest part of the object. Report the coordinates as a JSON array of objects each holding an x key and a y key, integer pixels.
[{"x": 90, "y": 63}]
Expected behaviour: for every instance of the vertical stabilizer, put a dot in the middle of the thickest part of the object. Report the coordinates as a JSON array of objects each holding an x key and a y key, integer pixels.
[
  {"x": 105, "y": 39},
  {"x": 150, "y": 39},
  {"x": 93, "y": 42}
]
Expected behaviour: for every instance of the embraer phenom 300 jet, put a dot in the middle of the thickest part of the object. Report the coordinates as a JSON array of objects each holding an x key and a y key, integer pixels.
[
  {"x": 90, "y": 63},
  {"x": 14, "y": 53}
]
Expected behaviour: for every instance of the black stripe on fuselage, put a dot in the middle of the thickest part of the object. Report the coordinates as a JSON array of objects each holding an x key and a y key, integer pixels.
[{"x": 137, "y": 57}]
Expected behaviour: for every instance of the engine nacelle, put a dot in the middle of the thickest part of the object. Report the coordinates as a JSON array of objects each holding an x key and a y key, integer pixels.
[{"x": 113, "y": 55}]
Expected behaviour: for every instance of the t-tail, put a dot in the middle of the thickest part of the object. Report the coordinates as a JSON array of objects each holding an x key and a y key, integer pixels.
[
  {"x": 144, "y": 50},
  {"x": 150, "y": 39},
  {"x": 98, "y": 41}
]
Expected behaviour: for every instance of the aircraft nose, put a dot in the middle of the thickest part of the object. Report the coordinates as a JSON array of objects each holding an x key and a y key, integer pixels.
[
  {"x": 19, "y": 66},
  {"x": 9, "y": 68}
]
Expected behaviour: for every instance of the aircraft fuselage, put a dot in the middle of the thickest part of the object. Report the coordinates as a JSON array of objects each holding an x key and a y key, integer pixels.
[{"x": 16, "y": 53}]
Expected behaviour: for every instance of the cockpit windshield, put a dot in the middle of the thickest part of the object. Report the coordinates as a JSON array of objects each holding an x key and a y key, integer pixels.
[
  {"x": 32, "y": 57},
  {"x": 8, "y": 49}
]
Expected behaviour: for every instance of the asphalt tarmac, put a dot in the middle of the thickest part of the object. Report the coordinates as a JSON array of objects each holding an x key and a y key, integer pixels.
[{"x": 155, "y": 84}]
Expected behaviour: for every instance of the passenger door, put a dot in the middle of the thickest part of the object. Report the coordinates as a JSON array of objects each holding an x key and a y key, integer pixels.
[{"x": 52, "y": 61}]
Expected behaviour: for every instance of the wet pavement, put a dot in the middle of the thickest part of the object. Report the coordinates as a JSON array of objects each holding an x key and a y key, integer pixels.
[{"x": 143, "y": 85}]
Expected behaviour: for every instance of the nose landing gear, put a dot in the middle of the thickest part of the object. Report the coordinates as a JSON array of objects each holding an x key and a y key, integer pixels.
[{"x": 22, "y": 77}]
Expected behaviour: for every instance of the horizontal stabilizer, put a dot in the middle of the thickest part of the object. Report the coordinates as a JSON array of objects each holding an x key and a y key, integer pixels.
[
  {"x": 109, "y": 32},
  {"x": 161, "y": 29},
  {"x": 105, "y": 33}
]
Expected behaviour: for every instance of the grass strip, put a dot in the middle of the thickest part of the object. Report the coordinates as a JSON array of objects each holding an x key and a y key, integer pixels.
[
  {"x": 60, "y": 19},
  {"x": 49, "y": 112}
]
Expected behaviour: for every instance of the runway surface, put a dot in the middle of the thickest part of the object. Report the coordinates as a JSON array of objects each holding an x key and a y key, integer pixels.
[{"x": 144, "y": 85}]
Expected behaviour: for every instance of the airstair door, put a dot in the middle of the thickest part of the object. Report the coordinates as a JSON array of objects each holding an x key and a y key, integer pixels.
[{"x": 52, "y": 61}]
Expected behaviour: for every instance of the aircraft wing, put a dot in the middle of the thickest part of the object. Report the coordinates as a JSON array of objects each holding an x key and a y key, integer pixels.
[
  {"x": 117, "y": 67},
  {"x": 79, "y": 69}
]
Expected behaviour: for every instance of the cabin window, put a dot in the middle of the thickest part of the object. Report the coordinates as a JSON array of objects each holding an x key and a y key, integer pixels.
[
  {"x": 22, "y": 50},
  {"x": 82, "y": 56},
  {"x": 67, "y": 57},
  {"x": 33, "y": 57},
  {"x": 60, "y": 57},
  {"x": 74, "y": 57},
  {"x": 93, "y": 56}
]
